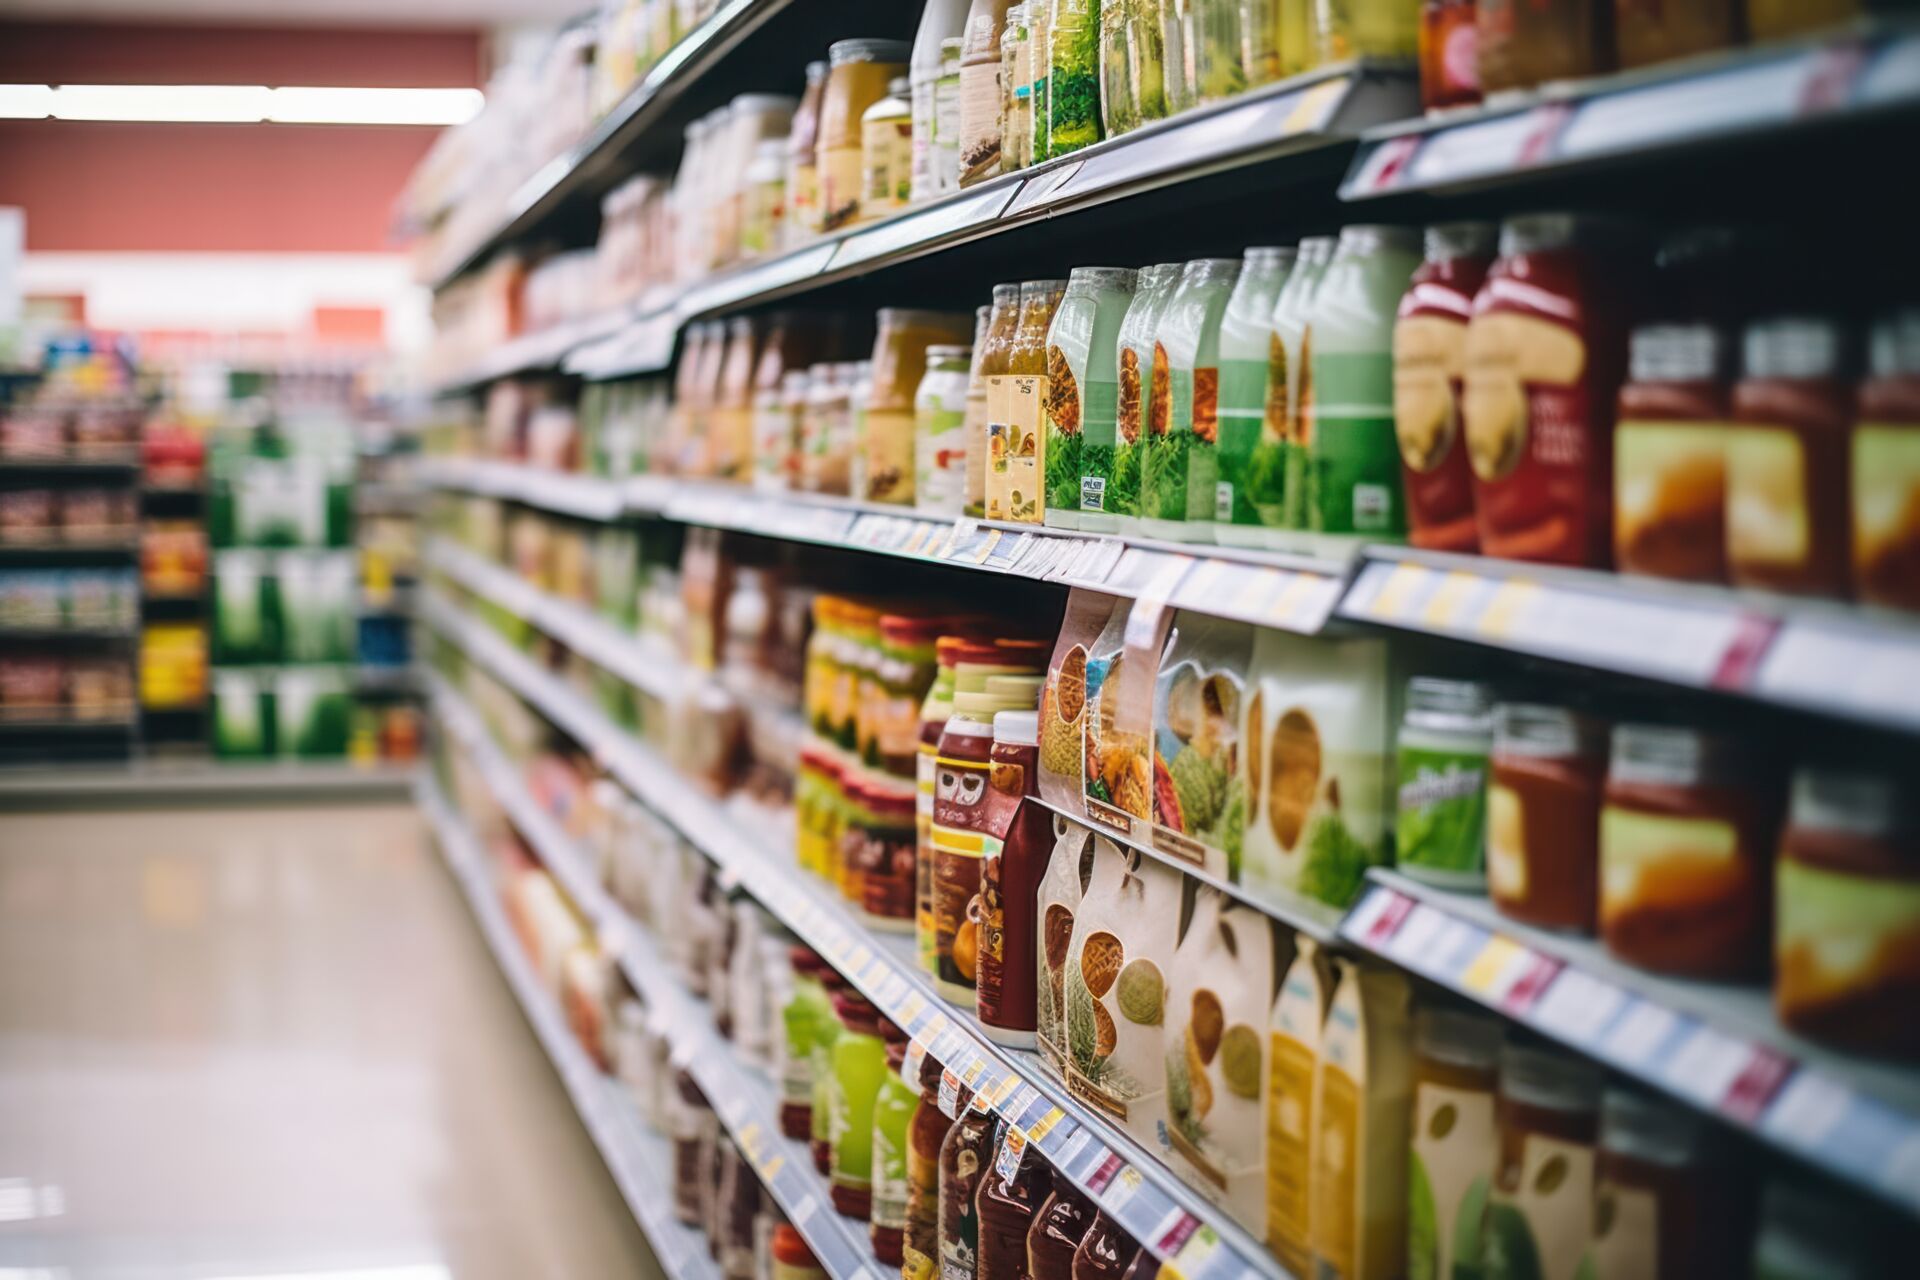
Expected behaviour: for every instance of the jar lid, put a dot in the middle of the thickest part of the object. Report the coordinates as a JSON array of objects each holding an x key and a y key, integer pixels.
[
  {"x": 1041, "y": 288},
  {"x": 1896, "y": 344},
  {"x": 1668, "y": 755},
  {"x": 1458, "y": 1038},
  {"x": 1792, "y": 347},
  {"x": 1017, "y": 728},
  {"x": 1468, "y": 699},
  {"x": 1366, "y": 237},
  {"x": 791, "y": 1251},
  {"x": 1538, "y": 729},
  {"x": 1865, "y": 804},
  {"x": 980, "y": 705},
  {"x": 899, "y": 87},
  {"x": 1008, "y": 688},
  {"x": 945, "y": 352},
  {"x": 1638, "y": 1125},
  {"x": 961, "y": 726},
  {"x": 890, "y": 797},
  {"x": 816, "y": 72},
  {"x": 1449, "y": 240},
  {"x": 952, "y": 47},
  {"x": 841, "y": 52},
  {"x": 1269, "y": 255},
  {"x": 1093, "y": 276},
  {"x": 1675, "y": 353},
  {"x": 1549, "y": 1080}
]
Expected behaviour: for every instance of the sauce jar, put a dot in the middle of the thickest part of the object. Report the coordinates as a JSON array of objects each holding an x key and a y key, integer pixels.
[
  {"x": 1670, "y": 456},
  {"x": 884, "y": 861},
  {"x": 1543, "y": 815},
  {"x": 792, "y": 1260},
  {"x": 1685, "y": 833},
  {"x": 1429, "y": 365},
  {"x": 730, "y": 424},
  {"x": 1020, "y": 842},
  {"x": 1886, "y": 468},
  {"x": 1649, "y": 31},
  {"x": 1846, "y": 945},
  {"x": 859, "y": 72},
  {"x": 1545, "y": 353},
  {"x": 1787, "y": 464},
  {"x": 960, "y": 788},
  {"x": 1442, "y": 793},
  {"x": 1455, "y": 1147},
  {"x": 802, "y": 222},
  {"x": 899, "y": 363},
  {"x": 1449, "y": 54},
  {"x": 1662, "y": 1211},
  {"x": 886, "y": 153},
  {"x": 1524, "y": 43},
  {"x": 1548, "y": 1112}
]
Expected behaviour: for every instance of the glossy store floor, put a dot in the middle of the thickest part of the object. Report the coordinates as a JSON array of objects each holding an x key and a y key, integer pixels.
[{"x": 264, "y": 1043}]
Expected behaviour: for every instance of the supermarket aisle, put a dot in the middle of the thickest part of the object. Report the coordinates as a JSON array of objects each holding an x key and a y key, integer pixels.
[{"x": 252, "y": 1043}]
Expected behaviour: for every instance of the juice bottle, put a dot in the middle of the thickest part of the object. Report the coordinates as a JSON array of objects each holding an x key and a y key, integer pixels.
[
  {"x": 859, "y": 1061},
  {"x": 1180, "y": 470},
  {"x": 893, "y": 1112},
  {"x": 1082, "y": 386},
  {"x": 801, "y": 1019},
  {"x": 992, "y": 358}
]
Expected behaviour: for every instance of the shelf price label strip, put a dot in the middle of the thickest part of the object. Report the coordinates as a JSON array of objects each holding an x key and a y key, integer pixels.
[{"x": 1747, "y": 1084}]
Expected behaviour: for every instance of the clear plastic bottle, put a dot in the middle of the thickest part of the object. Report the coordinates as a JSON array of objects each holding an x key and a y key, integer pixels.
[
  {"x": 940, "y": 21},
  {"x": 1083, "y": 386},
  {"x": 886, "y": 153},
  {"x": 981, "y": 95},
  {"x": 1016, "y": 91},
  {"x": 1216, "y": 42},
  {"x": 1072, "y": 107},
  {"x": 1117, "y": 478},
  {"x": 1180, "y": 469},
  {"x": 990, "y": 358}
]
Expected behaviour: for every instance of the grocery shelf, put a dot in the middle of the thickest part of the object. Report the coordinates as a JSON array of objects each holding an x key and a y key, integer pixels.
[
  {"x": 639, "y": 1160},
  {"x": 52, "y": 553},
  {"x": 563, "y": 493},
  {"x": 1817, "y": 655},
  {"x": 534, "y": 352},
  {"x": 1110, "y": 1167},
  {"x": 1776, "y": 91},
  {"x": 22, "y": 466},
  {"x": 64, "y": 635},
  {"x": 146, "y": 782},
  {"x": 1715, "y": 1046}
]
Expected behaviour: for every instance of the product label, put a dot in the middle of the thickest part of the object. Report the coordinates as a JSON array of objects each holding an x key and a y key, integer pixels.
[
  {"x": 980, "y": 122},
  {"x": 1289, "y": 1134},
  {"x": 889, "y": 456},
  {"x": 1670, "y": 484},
  {"x": 1678, "y": 864},
  {"x": 945, "y": 176},
  {"x": 940, "y": 470},
  {"x": 1353, "y": 469},
  {"x": 803, "y": 198},
  {"x": 1249, "y": 466},
  {"x": 1442, "y": 810},
  {"x": 1093, "y": 492},
  {"x": 975, "y": 431},
  {"x": 1769, "y": 509},
  {"x": 1455, "y": 1153},
  {"x": 1116, "y": 462},
  {"x": 1335, "y": 1224},
  {"x": 1163, "y": 480},
  {"x": 957, "y": 858},
  {"x": 1546, "y": 1202},
  {"x": 1506, "y": 844},
  {"x": 1626, "y": 1233},
  {"x": 1429, "y": 361},
  {"x": 889, "y": 1209},
  {"x": 1014, "y": 446},
  {"x": 1065, "y": 435},
  {"x": 1886, "y": 513},
  {"x": 886, "y": 179},
  {"x": 839, "y": 187}
]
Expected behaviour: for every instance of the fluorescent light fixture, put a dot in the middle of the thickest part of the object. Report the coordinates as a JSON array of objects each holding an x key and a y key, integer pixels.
[{"x": 239, "y": 104}]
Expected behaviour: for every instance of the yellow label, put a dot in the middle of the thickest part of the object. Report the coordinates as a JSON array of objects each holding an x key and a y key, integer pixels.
[
  {"x": 1670, "y": 483},
  {"x": 1659, "y": 859},
  {"x": 1768, "y": 510},
  {"x": 839, "y": 187},
  {"x": 1015, "y": 447},
  {"x": 889, "y": 456},
  {"x": 1289, "y": 1143},
  {"x": 1506, "y": 844},
  {"x": 1886, "y": 510}
]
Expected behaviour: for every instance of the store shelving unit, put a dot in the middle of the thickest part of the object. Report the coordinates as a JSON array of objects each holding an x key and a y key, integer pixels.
[{"x": 145, "y": 782}]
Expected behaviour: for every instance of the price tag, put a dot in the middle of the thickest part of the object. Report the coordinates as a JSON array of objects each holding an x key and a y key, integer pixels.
[
  {"x": 1044, "y": 1125},
  {"x": 1640, "y": 1033},
  {"x": 1377, "y": 918},
  {"x": 1000, "y": 1090},
  {"x": 1509, "y": 604},
  {"x": 1705, "y": 1066},
  {"x": 1397, "y": 592},
  {"x": 1443, "y": 607},
  {"x": 1577, "y": 1006},
  {"x": 1126, "y": 1185},
  {"x": 803, "y": 1210},
  {"x": 1753, "y": 1090},
  {"x": 1495, "y": 968},
  {"x": 912, "y": 1007},
  {"x": 972, "y": 1073},
  {"x": 949, "y": 1097},
  {"x": 1810, "y": 1108},
  {"x": 1410, "y": 942},
  {"x": 1109, "y": 1166},
  {"x": 1301, "y": 589},
  {"x": 1012, "y": 1147},
  {"x": 910, "y": 1065}
]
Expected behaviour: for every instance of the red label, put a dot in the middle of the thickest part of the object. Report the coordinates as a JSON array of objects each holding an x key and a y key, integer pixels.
[{"x": 1754, "y": 1088}]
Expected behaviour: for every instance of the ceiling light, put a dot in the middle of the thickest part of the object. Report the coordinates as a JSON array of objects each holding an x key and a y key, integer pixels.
[
  {"x": 186, "y": 103},
  {"x": 26, "y": 101},
  {"x": 239, "y": 104},
  {"x": 375, "y": 106}
]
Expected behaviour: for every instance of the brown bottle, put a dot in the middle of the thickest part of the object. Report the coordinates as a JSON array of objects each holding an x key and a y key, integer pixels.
[
  {"x": 963, "y": 1159},
  {"x": 1105, "y": 1251},
  {"x": 1057, "y": 1231},
  {"x": 920, "y": 1253},
  {"x": 1005, "y": 1205}
]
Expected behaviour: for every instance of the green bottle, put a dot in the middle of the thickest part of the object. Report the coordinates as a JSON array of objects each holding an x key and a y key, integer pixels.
[
  {"x": 1178, "y": 474},
  {"x": 858, "y": 1065},
  {"x": 893, "y": 1112},
  {"x": 1251, "y": 469}
]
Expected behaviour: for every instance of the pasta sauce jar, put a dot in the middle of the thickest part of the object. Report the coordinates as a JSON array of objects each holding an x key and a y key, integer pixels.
[{"x": 1543, "y": 815}]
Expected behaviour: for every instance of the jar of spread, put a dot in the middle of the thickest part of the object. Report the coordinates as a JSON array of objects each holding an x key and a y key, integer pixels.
[
  {"x": 1543, "y": 815},
  {"x": 1662, "y": 1211},
  {"x": 1886, "y": 468},
  {"x": 1442, "y": 792},
  {"x": 939, "y": 430},
  {"x": 885, "y": 860},
  {"x": 1670, "y": 456},
  {"x": 1545, "y": 352},
  {"x": 1057, "y": 1230},
  {"x": 1524, "y": 43},
  {"x": 1846, "y": 945},
  {"x": 1105, "y": 1251},
  {"x": 1548, "y": 1113},
  {"x": 859, "y": 1064},
  {"x": 1456, "y": 1074},
  {"x": 1429, "y": 364},
  {"x": 1787, "y": 465},
  {"x": 1778, "y": 19},
  {"x": 899, "y": 363},
  {"x": 886, "y": 153},
  {"x": 1449, "y": 54},
  {"x": 893, "y": 1110},
  {"x": 859, "y": 72},
  {"x": 920, "y": 1252},
  {"x": 1685, "y": 832},
  {"x": 964, "y": 1156},
  {"x": 962, "y": 769},
  {"x": 1649, "y": 31},
  {"x": 981, "y": 92},
  {"x": 991, "y": 359},
  {"x": 802, "y": 222},
  {"x": 730, "y": 424},
  {"x": 1011, "y": 1189},
  {"x": 1018, "y": 843},
  {"x": 792, "y": 1260}
]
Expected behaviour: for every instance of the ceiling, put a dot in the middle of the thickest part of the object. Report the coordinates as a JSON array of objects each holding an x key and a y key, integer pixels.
[{"x": 356, "y": 13}]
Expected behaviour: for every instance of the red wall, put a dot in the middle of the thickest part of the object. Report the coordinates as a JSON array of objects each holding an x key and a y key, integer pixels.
[{"x": 157, "y": 187}]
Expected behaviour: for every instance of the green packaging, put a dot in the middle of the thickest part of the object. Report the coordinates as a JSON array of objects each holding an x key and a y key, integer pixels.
[
  {"x": 1290, "y": 390},
  {"x": 1181, "y": 468},
  {"x": 1252, "y": 468},
  {"x": 1441, "y": 789},
  {"x": 1071, "y": 104},
  {"x": 1110, "y": 461},
  {"x": 1082, "y": 385}
]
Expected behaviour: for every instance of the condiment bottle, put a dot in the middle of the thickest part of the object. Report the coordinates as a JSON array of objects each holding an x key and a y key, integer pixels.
[
  {"x": 964, "y": 1156},
  {"x": 899, "y": 362},
  {"x": 1685, "y": 834},
  {"x": 1115, "y": 474},
  {"x": 859, "y": 74},
  {"x": 883, "y": 864},
  {"x": 1647, "y": 32},
  {"x": 1847, "y": 928},
  {"x": 1011, "y": 1189},
  {"x": 792, "y": 1260},
  {"x": 802, "y": 1018},
  {"x": 1104, "y": 1252},
  {"x": 859, "y": 1065},
  {"x": 1886, "y": 468},
  {"x": 1548, "y": 1111},
  {"x": 893, "y": 1112},
  {"x": 826, "y": 1034},
  {"x": 935, "y": 710},
  {"x": 981, "y": 91},
  {"x": 803, "y": 163},
  {"x": 1456, "y": 1072},
  {"x": 1449, "y": 54},
  {"x": 1290, "y": 381},
  {"x": 1248, "y": 491},
  {"x": 886, "y": 153},
  {"x": 1787, "y": 465},
  {"x": 991, "y": 359},
  {"x": 1016, "y": 438},
  {"x": 1445, "y": 738},
  {"x": 920, "y": 1253},
  {"x": 1546, "y": 349},
  {"x": 939, "y": 430},
  {"x": 961, "y": 772},
  {"x": 1670, "y": 456},
  {"x": 1180, "y": 471},
  {"x": 1663, "y": 1211},
  {"x": 1429, "y": 366},
  {"x": 1524, "y": 43},
  {"x": 1057, "y": 1230},
  {"x": 1016, "y": 859},
  {"x": 940, "y": 21},
  {"x": 1543, "y": 815},
  {"x": 730, "y": 424},
  {"x": 1142, "y": 1265}
]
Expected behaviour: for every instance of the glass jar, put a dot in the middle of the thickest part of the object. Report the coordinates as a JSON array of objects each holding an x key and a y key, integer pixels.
[
  {"x": 941, "y": 23},
  {"x": 689, "y": 1120},
  {"x": 1130, "y": 44},
  {"x": 1445, "y": 738},
  {"x": 1073, "y": 78},
  {"x": 1016, "y": 392},
  {"x": 962, "y": 769},
  {"x": 857, "y": 819},
  {"x": 893, "y": 1111},
  {"x": 1543, "y": 815},
  {"x": 965, "y": 1155},
  {"x": 925, "y": 1134},
  {"x": 990, "y": 359},
  {"x": 1685, "y": 832},
  {"x": 1525, "y": 43},
  {"x": 1016, "y": 89},
  {"x": 1039, "y": 65},
  {"x": 982, "y": 94},
  {"x": 899, "y": 364},
  {"x": 1456, "y": 1142},
  {"x": 730, "y": 423},
  {"x": 803, "y": 163},
  {"x": 1663, "y": 1210},
  {"x": 1670, "y": 456},
  {"x": 1215, "y": 39},
  {"x": 884, "y": 863},
  {"x": 1449, "y": 54},
  {"x": 737, "y": 1201},
  {"x": 1848, "y": 916},
  {"x": 1548, "y": 1112},
  {"x": 764, "y": 227},
  {"x": 859, "y": 74},
  {"x": 946, "y": 119},
  {"x": 1886, "y": 468},
  {"x": 1082, "y": 385},
  {"x": 1646, "y": 32},
  {"x": 939, "y": 435},
  {"x": 886, "y": 154},
  {"x": 1429, "y": 364}
]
